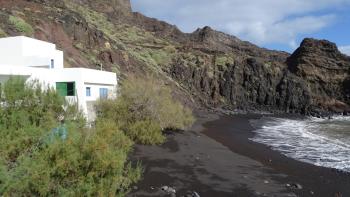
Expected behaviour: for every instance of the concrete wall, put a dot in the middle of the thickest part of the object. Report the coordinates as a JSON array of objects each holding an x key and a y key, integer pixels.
[
  {"x": 95, "y": 76},
  {"x": 95, "y": 91},
  {"x": 30, "y": 58},
  {"x": 34, "y": 47},
  {"x": 24, "y": 51},
  {"x": 82, "y": 77},
  {"x": 11, "y": 45},
  {"x": 88, "y": 78}
]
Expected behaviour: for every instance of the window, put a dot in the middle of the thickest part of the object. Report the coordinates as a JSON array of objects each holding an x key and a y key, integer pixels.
[
  {"x": 103, "y": 93},
  {"x": 71, "y": 89},
  {"x": 65, "y": 88},
  {"x": 52, "y": 64},
  {"x": 88, "y": 91}
]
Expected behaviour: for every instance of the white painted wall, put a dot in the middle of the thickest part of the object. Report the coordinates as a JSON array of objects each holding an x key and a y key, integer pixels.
[
  {"x": 34, "y": 47},
  {"x": 11, "y": 45},
  {"x": 23, "y": 56},
  {"x": 81, "y": 76},
  {"x": 24, "y": 51},
  {"x": 95, "y": 91}
]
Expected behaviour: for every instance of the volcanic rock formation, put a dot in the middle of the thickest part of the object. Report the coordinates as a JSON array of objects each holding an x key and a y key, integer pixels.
[{"x": 206, "y": 68}]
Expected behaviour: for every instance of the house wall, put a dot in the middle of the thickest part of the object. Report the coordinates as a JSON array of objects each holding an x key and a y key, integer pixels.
[
  {"x": 95, "y": 76},
  {"x": 27, "y": 57},
  {"x": 34, "y": 47},
  {"x": 11, "y": 45},
  {"x": 24, "y": 51},
  {"x": 95, "y": 96},
  {"x": 82, "y": 77},
  {"x": 95, "y": 91},
  {"x": 89, "y": 78}
]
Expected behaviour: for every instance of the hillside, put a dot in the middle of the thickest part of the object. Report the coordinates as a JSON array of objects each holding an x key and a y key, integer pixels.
[{"x": 206, "y": 68}]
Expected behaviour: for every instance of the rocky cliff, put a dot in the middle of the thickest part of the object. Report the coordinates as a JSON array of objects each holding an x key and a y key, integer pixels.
[{"x": 206, "y": 68}]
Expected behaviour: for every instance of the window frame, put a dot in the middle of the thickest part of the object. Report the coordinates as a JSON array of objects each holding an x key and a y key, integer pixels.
[
  {"x": 88, "y": 91},
  {"x": 52, "y": 64},
  {"x": 103, "y": 93}
]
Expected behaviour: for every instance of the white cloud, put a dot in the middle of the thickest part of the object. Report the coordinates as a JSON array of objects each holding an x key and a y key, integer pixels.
[
  {"x": 345, "y": 50},
  {"x": 259, "y": 21}
]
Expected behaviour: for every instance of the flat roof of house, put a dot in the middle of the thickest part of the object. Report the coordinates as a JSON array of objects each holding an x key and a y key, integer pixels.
[
  {"x": 65, "y": 74},
  {"x": 24, "y": 38}
]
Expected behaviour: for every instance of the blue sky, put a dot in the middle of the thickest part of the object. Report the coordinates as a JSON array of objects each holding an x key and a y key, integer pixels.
[{"x": 274, "y": 24}]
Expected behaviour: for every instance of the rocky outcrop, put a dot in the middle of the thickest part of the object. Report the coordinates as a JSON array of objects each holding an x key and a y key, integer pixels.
[
  {"x": 325, "y": 70},
  {"x": 248, "y": 85},
  {"x": 215, "y": 41},
  {"x": 314, "y": 80},
  {"x": 159, "y": 28}
]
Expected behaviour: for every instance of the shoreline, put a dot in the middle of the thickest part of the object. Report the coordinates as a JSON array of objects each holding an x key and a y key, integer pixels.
[
  {"x": 316, "y": 180},
  {"x": 216, "y": 158}
]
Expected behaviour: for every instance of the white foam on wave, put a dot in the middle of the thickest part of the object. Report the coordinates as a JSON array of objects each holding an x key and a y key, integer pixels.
[{"x": 321, "y": 142}]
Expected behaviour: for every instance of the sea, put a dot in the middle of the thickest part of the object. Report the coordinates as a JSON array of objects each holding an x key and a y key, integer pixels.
[{"x": 319, "y": 141}]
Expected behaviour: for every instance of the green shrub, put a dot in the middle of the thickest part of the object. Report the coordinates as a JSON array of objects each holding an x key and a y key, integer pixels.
[
  {"x": 144, "y": 109},
  {"x": 161, "y": 57},
  {"x": 35, "y": 161},
  {"x": 146, "y": 132},
  {"x": 87, "y": 163},
  {"x": 21, "y": 25},
  {"x": 223, "y": 60},
  {"x": 28, "y": 112},
  {"x": 2, "y": 33}
]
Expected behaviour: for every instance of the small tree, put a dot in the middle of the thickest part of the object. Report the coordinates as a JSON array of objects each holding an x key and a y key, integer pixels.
[
  {"x": 144, "y": 109},
  {"x": 27, "y": 112}
]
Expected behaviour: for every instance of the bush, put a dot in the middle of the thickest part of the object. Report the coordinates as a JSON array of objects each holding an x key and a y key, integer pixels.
[
  {"x": 27, "y": 112},
  {"x": 146, "y": 132},
  {"x": 2, "y": 33},
  {"x": 21, "y": 25},
  {"x": 144, "y": 109},
  {"x": 87, "y": 163},
  {"x": 35, "y": 161}
]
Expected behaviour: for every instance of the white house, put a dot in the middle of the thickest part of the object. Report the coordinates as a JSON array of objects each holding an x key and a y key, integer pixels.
[{"x": 39, "y": 60}]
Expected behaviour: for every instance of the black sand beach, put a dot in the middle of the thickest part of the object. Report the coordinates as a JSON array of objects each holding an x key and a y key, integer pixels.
[{"x": 216, "y": 158}]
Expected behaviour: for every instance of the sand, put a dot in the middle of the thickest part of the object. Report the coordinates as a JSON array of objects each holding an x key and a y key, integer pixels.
[{"x": 215, "y": 158}]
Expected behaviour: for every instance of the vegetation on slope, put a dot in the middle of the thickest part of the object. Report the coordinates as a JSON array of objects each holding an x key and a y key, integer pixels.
[
  {"x": 21, "y": 25},
  {"x": 141, "y": 45},
  {"x": 144, "y": 109},
  {"x": 2, "y": 33}
]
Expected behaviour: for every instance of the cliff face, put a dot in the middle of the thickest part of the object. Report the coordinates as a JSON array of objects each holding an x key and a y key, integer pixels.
[
  {"x": 249, "y": 84},
  {"x": 313, "y": 79},
  {"x": 325, "y": 70},
  {"x": 205, "y": 68}
]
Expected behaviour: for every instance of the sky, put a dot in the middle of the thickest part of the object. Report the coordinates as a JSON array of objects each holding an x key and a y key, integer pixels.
[{"x": 274, "y": 24}]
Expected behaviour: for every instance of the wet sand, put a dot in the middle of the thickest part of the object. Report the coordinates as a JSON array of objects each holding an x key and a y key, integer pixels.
[{"x": 216, "y": 159}]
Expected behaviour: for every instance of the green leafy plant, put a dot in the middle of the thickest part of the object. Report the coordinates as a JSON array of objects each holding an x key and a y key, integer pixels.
[
  {"x": 21, "y": 25},
  {"x": 2, "y": 33},
  {"x": 35, "y": 161},
  {"x": 144, "y": 109}
]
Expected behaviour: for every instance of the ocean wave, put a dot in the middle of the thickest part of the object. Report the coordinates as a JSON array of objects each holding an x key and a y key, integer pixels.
[{"x": 322, "y": 142}]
